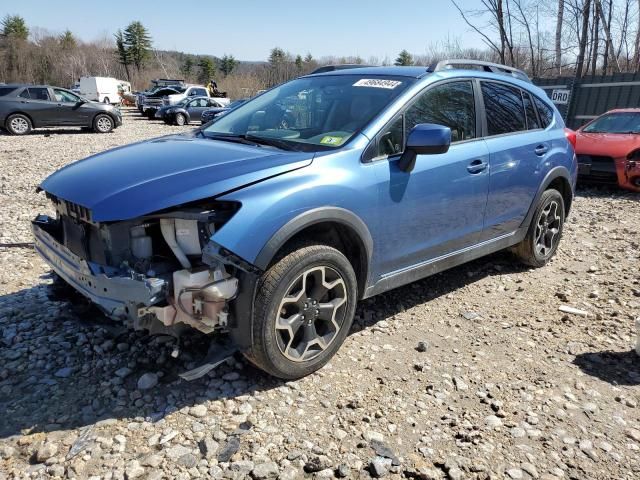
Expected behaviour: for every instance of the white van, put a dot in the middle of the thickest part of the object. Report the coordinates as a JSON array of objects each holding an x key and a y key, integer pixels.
[{"x": 101, "y": 89}]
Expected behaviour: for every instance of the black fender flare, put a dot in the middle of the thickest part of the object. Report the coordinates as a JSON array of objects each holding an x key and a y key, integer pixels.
[
  {"x": 553, "y": 174},
  {"x": 241, "y": 326},
  {"x": 309, "y": 218}
]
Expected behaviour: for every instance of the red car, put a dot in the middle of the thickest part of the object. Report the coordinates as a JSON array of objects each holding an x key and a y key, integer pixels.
[{"x": 608, "y": 149}]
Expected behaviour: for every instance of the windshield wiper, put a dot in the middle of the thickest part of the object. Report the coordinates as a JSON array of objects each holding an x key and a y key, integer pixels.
[
  {"x": 272, "y": 142},
  {"x": 232, "y": 138}
]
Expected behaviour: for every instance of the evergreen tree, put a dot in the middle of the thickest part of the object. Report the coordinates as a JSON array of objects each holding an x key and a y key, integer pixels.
[
  {"x": 299, "y": 64},
  {"x": 227, "y": 64},
  {"x": 14, "y": 26},
  {"x": 123, "y": 52},
  {"x": 187, "y": 67},
  {"x": 207, "y": 69},
  {"x": 308, "y": 59},
  {"x": 404, "y": 59},
  {"x": 137, "y": 42},
  {"x": 67, "y": 40}
]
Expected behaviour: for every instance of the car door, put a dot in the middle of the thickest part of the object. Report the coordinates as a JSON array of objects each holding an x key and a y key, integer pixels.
[
  {"x": 37, "y": 103},
  {"x": 70, "y": 109},
  {"x": 438, "y": 208},
  {"x": 196, "y": 107},
  {"x": 518, "y": 147}
]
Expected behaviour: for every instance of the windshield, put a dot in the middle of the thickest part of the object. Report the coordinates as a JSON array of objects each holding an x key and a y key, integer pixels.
[
  {"x": 312, "y": 113},
  {"x": 619, "y": 122}
]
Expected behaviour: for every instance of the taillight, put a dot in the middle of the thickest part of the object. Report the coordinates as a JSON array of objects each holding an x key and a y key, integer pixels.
[{"x": 571, "y": 136}]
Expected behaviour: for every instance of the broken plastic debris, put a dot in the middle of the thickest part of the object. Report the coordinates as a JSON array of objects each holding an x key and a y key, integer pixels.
[{"x": 573, "y": 311}]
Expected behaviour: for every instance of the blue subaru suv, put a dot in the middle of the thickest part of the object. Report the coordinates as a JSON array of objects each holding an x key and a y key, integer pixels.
[{"x": 269, "y": 224}]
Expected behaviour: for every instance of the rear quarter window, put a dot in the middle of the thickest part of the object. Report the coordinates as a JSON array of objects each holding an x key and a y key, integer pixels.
[
  {"x": 6, "y": 91},
  {"x": 544, "y": 111}
]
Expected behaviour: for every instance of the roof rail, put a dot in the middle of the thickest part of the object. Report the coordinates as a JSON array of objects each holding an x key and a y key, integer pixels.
[
  {"x": 342, "y": 66},
  {"x": 486, "y": 66}
]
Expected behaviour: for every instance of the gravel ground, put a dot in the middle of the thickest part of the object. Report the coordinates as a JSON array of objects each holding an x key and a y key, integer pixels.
[{"x": 473, "y": 373}]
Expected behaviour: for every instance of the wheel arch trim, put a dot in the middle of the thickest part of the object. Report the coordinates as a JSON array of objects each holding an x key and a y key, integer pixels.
[
  {"x": 310, "y": 218},
  {"x": 553, "y": 174}
]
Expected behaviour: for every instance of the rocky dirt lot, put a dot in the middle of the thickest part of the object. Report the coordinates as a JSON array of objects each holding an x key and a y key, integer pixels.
[{"x": 472, "y": 374}]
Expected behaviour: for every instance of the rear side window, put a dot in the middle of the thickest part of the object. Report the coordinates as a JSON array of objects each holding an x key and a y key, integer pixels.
[
  {"x": 504, "y": 108},
  {"x": 37, "y": 93},
  {"x": 545, "y": 112},
  {"x": 532, "y": 117},
  {"x": 6, "y": 90},
  {"x": 451, "y": 104}
]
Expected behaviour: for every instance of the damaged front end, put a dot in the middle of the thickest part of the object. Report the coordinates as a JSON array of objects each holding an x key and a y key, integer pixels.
[{"x": 155, "y": 272}]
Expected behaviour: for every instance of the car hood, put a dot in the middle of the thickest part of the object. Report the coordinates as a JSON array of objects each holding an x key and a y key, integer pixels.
[
  {"x": 606, "y": 144},
  {"x": 135, "y": 180}
]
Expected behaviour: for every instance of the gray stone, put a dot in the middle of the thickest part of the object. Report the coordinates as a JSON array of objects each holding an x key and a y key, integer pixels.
[
  {"x": 46, "y": 451},
  {"x": 198, "y": 411},
  {"x": 242, "y": 466},
  {"x": 515, "y": 473},
  {"x": 187, "y": 460},
  {"x": 379, "y": 467},
  {"x": 65, "y": 372},
  {"x": 422, "y": 347},
  {"x": 147, "y": 381},
  {"x": 343, "y": 471},
  {"x": 317, "y": 463},
  {"x": 265, "y": 471},
  {"x": 209, "y": 447},
  {"x": 493, "y": 422},
  {"x": 134, "y": 470},
  {"x": 123, "y": 372}
]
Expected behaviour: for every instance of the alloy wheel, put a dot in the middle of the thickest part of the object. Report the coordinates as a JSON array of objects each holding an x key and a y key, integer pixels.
[
  {"x": 311, "y": 313},
  {"x": 19, "y": 125},
  {"x": 548, "y": 229},
  {"x": 103, "y": 124}
]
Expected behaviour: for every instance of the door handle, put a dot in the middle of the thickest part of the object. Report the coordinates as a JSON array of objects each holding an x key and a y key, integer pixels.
[
  {"x": 541, "y": 150},
  {"x": 477, "y": 166}
]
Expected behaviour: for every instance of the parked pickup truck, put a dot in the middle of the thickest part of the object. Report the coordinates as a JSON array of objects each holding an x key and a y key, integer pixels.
[{"x": 192, "y": 91}]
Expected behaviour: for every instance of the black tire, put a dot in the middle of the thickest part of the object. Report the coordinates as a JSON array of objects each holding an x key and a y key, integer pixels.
[
  {"x": 545, "y": 231},
  {"x": 312, "y": 267},
  {"x": 180, "y": 119},
  {"x": 18, "y": 124},
  {"x": 103, "y": 123}
]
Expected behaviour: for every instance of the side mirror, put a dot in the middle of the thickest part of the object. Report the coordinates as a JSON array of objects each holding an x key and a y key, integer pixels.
[{"x": 424, "y": 139}]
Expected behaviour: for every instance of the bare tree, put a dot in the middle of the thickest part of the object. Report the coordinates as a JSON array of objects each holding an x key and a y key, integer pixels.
[{"x": 558, "y": 45}]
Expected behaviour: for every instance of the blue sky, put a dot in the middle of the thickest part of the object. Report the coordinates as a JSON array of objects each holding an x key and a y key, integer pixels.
[{"x": 249, "y": 29}]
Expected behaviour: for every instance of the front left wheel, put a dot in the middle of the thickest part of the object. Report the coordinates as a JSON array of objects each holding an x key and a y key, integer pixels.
[
  {"x": 303, "y": 311},
  {"x": 180, "y": 119},
  {"x": 19, "y": 124},
  {"x": 103, "y": 124}
]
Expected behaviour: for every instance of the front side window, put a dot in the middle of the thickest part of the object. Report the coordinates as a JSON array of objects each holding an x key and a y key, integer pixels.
[
  {"x": 451, "y": 104},
  {"x": 504, "y": 108},
  {"x": 391, "y": 139},
  {"x": 311, "y": 113},
  {"x": 616, "y": 122},
  {"x": 65, "y": 97},
  {"x": 38, "y": 93}
]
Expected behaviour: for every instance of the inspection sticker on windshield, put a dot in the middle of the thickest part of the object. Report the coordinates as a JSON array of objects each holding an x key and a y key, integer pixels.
[
  {"x": 377, "y": 83},
  {"x": 329, "y": 140}
]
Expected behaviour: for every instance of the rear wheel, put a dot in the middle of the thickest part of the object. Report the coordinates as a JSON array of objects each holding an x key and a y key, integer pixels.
[
  {"x": 180, "y": 119},
  {"x": 545, "y": 231},
  {"x": 303, "y": 311},
  {"x": 102, "y": 123},
  {"x": 19, "y": 124}
]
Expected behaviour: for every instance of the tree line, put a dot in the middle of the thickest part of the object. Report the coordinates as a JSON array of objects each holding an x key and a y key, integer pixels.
[{"x": 542, "y": 37}]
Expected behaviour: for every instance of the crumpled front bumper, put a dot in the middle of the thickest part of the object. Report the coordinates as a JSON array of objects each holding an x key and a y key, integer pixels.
[{"x": 118, "y": 295}]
